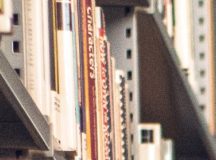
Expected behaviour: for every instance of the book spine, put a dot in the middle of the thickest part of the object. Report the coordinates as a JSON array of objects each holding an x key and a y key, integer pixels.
[
  {"x": 120, "y": 115},
  {"x": 75, "y": 68},
  {"x": 54, "y": 81},
  {"x": 55, "y": 118},
  {"x": 54, "y": 72},
  {"x": 128, "y": 139},
  {"x": 33, "y": 52},
  {"x": 81, "y": 84},
  {"x": 112, "y": 98},
  {"x": 46, "y": 55},
  {"x": 90, "y": 74},
  {"x": 98, "y": 90},
  {"x": 66, "y": 77},
  {"x": 105, "y": 98},
  {"x": 111, "y": 103},
  {"x": 123, "y": 115}
]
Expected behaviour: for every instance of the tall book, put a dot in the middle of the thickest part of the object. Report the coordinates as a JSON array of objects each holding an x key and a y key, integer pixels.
[
  {"x": 64, "y": 74},
  {"x": 81, "y": 84},
  {"x": 36, "y": 48},
  {"x": 112, "y": 98},
  {"x": 76, "y": 64},
  {"x": 89, "y": 72},
  {"x": 103, "y": 107},
  {"x": 54, "y": 77},
  {"x": 116, "y": 116},
  {"x": 103, "y": 89}
]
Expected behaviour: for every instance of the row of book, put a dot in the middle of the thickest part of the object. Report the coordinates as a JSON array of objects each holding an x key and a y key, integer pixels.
[{"x": 71, "y": 75}]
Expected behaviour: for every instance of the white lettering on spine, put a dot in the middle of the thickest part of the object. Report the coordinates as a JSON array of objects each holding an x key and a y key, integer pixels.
[{"x": 90, "y": 43}]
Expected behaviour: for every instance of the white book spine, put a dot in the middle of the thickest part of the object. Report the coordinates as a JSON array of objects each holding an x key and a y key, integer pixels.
[
  {"x": 46, "y": 48},
  {"x": 34, "y": 60},
  {"x": 66, "y": 89},
  {"x": 55, "y": 118},
  {"x": 66, "y": 75}
]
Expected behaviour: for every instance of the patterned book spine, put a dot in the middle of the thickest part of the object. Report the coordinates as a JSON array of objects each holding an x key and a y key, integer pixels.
[
  {"x": 105, "y": 98},
  {"x": 121, "y": 117},
  {"x": 54, "y": 73},
  {"x": 111, "y": 103}
]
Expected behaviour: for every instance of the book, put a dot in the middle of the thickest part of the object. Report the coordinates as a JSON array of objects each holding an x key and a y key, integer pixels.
[
  {"x": 121, "y": 122},
  {"x": 116, "y": 116},
  {"x": 54, "y": 78},
  {"x": 76, "y": 73},
  {"x": 104, "y": 103},
  {"x": 34, "y": 51},
  {"x": 63, "y": 76},
  {"x": 67, "y": 74},
  {"x": 89, "y": 72},
  {"x": 112, "y": 101},
  {"x": 81, "y": 83}
]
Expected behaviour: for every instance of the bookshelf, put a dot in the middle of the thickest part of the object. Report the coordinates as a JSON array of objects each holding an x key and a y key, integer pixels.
[{"x": 175, "y": 100}]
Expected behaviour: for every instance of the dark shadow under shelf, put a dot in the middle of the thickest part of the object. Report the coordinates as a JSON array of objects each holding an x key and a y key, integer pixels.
[{"x": 22, "y": 126}]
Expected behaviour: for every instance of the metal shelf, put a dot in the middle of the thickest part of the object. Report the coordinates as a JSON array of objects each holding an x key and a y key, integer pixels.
[
  {"x": 21, "y": 123},
  {"x": 165, "y": 93}
]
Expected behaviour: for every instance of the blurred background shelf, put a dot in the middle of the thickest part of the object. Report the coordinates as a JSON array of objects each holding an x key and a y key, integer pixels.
[
  {"x": 163, "y": 96},
  {"x": 166, "y": 95}
]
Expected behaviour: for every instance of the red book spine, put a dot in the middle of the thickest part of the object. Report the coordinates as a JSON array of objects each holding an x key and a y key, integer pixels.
[{"x": 89, "y": 79}]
